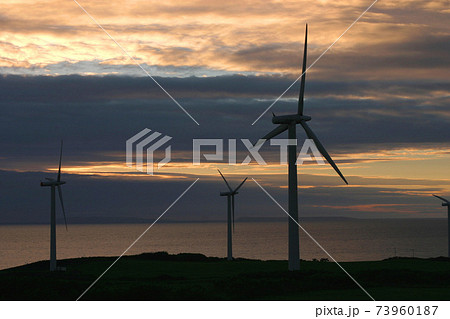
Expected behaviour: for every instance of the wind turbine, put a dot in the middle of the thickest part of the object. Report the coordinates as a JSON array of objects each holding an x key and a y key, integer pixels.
[
  {"x": 230, "y": 198},
  {"x": 289, "y": 123},
  {"x": 446, "y": 203},
  {"x": 50, "y": 182}
]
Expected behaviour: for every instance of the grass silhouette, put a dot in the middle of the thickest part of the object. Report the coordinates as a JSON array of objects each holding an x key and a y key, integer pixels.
[{"x": 160, "y": 276}]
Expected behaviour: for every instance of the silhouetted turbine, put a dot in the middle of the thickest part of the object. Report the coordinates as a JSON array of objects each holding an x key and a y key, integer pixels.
[
  {"x": 289, "y": 123},
  {"x": 230, "y": 219},
  {"x": 446, "y": 203},
  {"x": 55, "y": 184}
]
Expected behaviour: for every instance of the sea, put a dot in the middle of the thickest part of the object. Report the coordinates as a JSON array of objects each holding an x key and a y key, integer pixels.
[{"x": 344, "y": 240}]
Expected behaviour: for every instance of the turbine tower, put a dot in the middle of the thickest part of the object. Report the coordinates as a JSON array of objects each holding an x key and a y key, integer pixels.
[
  {"x": 230, "y": 199},
  {"x": 446, "y": 203},
  {"x": 289, "y": 123},
  {"x": 50, "y": 182}
]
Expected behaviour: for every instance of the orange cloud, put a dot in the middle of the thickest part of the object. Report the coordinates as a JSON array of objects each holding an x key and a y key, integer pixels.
[{"x": 252, "y": 36}]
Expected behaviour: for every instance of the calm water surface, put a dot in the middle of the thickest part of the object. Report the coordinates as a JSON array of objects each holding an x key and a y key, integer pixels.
[{"x": 346, "y": 240}]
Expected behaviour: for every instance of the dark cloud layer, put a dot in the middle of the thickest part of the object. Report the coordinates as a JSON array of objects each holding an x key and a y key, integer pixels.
[
  {"x": 95, "y": 116},
  {"x": 100, "y": 113},
  {"x": 109, "y": 200},
  {"x": 75, "y": 88}
]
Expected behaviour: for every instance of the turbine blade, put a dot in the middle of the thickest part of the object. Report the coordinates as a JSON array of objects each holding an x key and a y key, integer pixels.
[
  {"x": 278, "y": 130},
  {"x": 441, "y": 198},
  {"x": 62, "y": 204},
  {"x": 232, "y": 209},
  {"x": 240, "y": 185},
  {"x": 225, "y": 181},
  {"x": 322, "y": 149},
  {"x": 302, "y": 84},
  {"x": 60, "y": 158}
]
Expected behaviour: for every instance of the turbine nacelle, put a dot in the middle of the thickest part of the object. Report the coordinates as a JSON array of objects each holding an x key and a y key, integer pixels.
[
  {"x": 228, "y": 193},
  {"x": 445, "y": 202},
  {"x": 232, "y": 191},
  {"x": 290, "y": 119},
  {"x": 52, "y": 182}
]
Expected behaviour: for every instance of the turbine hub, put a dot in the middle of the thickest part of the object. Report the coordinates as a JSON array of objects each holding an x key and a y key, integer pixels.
[
  {"x": 289, "y": 119},
  {"x": 52, "y": 183}
]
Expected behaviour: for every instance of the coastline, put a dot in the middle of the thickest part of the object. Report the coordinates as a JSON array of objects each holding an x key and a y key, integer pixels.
[{"x": 161, "y": 276}]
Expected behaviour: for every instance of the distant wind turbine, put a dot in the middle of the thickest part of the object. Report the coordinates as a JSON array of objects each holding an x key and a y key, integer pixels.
[
  {"x": 55, "y": 184},
  {"x": 289, "y": 123},
  {"x": 230, "y": 197},
  {"x": 446, "y": 203}
]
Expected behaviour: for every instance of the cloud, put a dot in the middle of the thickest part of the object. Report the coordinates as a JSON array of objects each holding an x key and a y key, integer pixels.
[
  {"x": 101, "y": 88},
  {"x": 379, "y": 98},
  {"x": 97, "y": 114},
  {"x": 109, "y": 199},
  {"x": 394, "y": 39}
]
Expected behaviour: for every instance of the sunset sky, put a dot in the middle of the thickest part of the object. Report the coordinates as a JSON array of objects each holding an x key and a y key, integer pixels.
[{"x": 379, "y": 101}]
